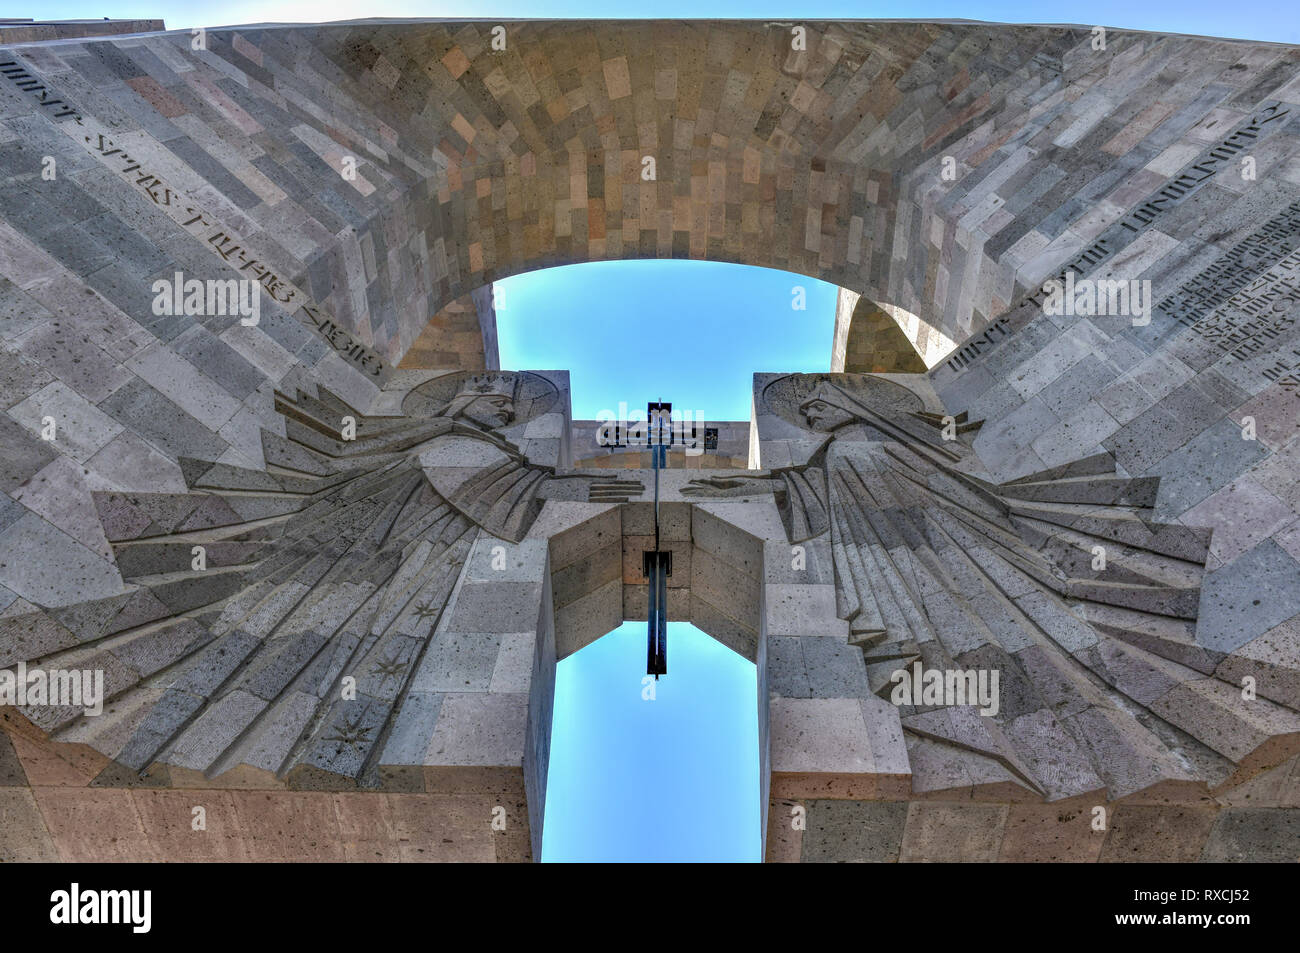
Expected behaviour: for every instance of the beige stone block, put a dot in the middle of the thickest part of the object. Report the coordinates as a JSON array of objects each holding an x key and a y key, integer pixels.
[
  {"x": 1157, "y": 833},
  {"x": 1060, "y": 832},
  {"x": 23, "y": 837},
  {"x": 288, "y": 826},
  {"x": 443, "y": 828},
  {"x": 938, "y": 832},
  {"x": 714, "y": 531},
  {"x": 576, "y": 530},
  {"x": 784, "y": 842},
  {"x": 168, "y": 818},
  {"x": 48, "y": 764},
  {"x": 95, "y": 825},
  {"x": 365, "y": 825},
  {"x": 584, "y": 576},
  {"x": 726, "y": 586},
  {"x": 738, "y": 635}
]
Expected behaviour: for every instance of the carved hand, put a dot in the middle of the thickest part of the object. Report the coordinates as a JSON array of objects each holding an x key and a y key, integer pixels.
[
  {"x": 580, "y": 487},
  {"x": 729, "y": 486}
]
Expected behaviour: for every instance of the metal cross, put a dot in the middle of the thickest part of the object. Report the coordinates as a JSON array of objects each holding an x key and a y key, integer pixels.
[{"x": 658, "y": 563}]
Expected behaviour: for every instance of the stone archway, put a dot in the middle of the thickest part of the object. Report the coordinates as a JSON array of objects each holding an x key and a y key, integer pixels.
[{"x": 370, "y": 175}]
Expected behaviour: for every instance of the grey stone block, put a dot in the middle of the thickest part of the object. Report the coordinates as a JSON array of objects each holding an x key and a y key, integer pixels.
[
  {"x": 219, "y": 361},
  {"x": 48, "y": 567},
  {"x": 854, "y": 831},
  {"x": 785, "y": 667},
  {"x": 834, "y": 668},
  {"x": 24, "y": 455},
  {"x": 11, "y": 769},
  {"x": 19, "y": 378},
  {"x": 148, "y": 413},
  {"x": 459, "y": 662},
  {"x": 1248, "y": 597},
  {"x": 1254, "y": 835},
  {"x": 1206, "y": 463},
  {"x": 413, "y": 729}
]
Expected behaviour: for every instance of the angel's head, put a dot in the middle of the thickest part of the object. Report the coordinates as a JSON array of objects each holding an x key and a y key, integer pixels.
[
  {"x": 490, "y": 411},
  {"x": 827, "y": 408},
  {"x": 487, "y": 401}
]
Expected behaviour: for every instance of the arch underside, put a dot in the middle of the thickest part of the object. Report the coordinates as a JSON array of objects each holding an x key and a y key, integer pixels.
[{"x": 473, "y": 164}]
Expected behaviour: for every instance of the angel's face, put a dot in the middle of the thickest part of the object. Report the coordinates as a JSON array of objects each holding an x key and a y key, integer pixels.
[
  {"x": 490, "y": 411},
  {"x": 825, "y": 417}
]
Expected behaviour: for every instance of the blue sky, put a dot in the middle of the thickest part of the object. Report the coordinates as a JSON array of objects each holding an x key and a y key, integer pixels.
[
  {"x": 676, "y": 778},
  {"x": 673, "y": 779},
  {"x": 1249, "y": 19},
  {"x": 636, "y": 331}
]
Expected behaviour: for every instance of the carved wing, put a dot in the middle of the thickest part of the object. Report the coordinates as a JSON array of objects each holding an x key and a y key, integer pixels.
[
  {"x": 333, "y": 564},
  {"x": 1102, "y": 679}
]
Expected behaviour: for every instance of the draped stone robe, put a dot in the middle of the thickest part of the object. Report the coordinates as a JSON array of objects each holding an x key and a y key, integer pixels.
[
  {"x": 486, "y": 478},
  {"x": 872, "y": 492}
]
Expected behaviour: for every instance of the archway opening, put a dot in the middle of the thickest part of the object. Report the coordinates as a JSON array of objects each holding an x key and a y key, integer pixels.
[
  {"x": 645, "y": 770},
  {"x": 638, "y": 331}
]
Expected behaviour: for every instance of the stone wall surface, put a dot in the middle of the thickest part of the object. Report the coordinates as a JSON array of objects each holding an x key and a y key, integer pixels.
[
  {"x": 1122, "y": 733},
  {"x": 23, "y": 30},
  {"x": 374, "y": 178},
  {"x": 473, "y": 163},
  {"x": 462, "y": 335}
]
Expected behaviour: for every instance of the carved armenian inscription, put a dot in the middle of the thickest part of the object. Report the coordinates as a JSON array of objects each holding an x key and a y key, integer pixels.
[
  {"x": 17, "y": 74},
  {"x": 219, "y": 239},
  {"x": 972, "y": 349},
  {"x": 1285, "y": 371},
  {"x": 1247, "y": 299},
  {"x": 1270, "y": 117}
]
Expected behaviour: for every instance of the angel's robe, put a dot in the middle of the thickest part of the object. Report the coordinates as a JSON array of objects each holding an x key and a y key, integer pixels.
[
  {"x": 872, "y": 493},
  {"x": 486, "y": 478}
]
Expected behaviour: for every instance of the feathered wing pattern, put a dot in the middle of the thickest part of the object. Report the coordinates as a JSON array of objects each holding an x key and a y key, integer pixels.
[
  {"x": 335, "y": 562},
  {"x": 1102, "y": 682}
]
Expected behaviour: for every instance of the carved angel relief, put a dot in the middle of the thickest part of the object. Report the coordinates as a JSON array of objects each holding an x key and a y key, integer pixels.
[
  {"x": 1059, "y": 581},
  {"x": 335, "y": 562}
]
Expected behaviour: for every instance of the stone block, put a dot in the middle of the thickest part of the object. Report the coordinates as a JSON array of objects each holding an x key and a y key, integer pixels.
[
  {"x": 819, "y": 736},
  {"x": 96, "y": 825},
  {"x": 938, "y": 832},
  {"x": 803, "y": 609},
  {"x": 80, "y": 575},
  {"x": 458, "y": 662},
  {"x": 80, "y": 428},
  {"x": 479, "y": 729},
  {"x": 587, "y": 618},
  {"x": 1050, "y": 833},
  {"x": 1245, "y": 599},
  {"x": 496, "y": 607},
  {"x": 24, "y": 456},
  {"x": 1156, "y": 833},
  {"x": 1254, "y": 835},
  {"x": 854, "y": 831},
  {"x": 23, "y": 837}
]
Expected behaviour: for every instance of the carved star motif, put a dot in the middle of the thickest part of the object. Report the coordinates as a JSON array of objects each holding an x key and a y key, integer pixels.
[
  {"x": 387, "y": 668},
  {"x": 353, "y": 734}
]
